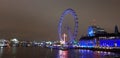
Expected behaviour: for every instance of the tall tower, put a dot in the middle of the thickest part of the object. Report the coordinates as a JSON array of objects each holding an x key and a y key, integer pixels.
[{"x": 116, "y": 29}]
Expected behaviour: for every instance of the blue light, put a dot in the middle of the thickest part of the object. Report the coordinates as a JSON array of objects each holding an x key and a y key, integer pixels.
[
  {"x": 90, "y": 31},
  {"x": 87, "y": 43},
  {"x": 109, "y": 42}
]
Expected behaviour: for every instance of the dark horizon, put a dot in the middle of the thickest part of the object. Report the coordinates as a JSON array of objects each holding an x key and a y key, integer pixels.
[{"x": 38, "y": 19}]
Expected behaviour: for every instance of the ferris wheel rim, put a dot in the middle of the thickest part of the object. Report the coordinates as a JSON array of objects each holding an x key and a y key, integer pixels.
[{"x": 73, "y": 13}]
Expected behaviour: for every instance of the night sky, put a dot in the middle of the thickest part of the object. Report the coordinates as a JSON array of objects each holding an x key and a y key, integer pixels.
[{"x": 38, "y": 19}]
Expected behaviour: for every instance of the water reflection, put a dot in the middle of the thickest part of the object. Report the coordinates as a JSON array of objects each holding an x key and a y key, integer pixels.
[
  {"x": 14, "y": 52},
  {"x": 63, "y": 54},
  {"x": 96, "y": 54},
  {"x": 101, "y": 54},
  {"x": 1, "y": 52},
  {"x": 86, "y": 53},
  {"x": 34, "y": 52}
]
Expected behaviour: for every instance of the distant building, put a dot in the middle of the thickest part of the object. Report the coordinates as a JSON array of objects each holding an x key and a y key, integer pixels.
[
  {"x": 3, "y": 43},
  {"x": 14, "y": 42}
]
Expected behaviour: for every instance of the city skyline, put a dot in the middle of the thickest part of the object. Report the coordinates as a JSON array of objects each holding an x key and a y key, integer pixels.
[{"x": 38, "y": 20}]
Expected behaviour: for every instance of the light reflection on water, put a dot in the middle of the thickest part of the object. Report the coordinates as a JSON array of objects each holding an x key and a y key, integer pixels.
[
  {"x": 96, "y": 54},
  {"x": 86, "y": 54},
  {"x": 1, "y": 52},
  {"x": 37, "y": 52},
  {"x": 63, "y": 54},
  {"x": 14, "y": 51}
]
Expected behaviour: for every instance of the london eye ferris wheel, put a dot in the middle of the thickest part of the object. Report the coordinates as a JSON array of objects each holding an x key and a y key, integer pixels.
[{"x": 72, "y": 35}]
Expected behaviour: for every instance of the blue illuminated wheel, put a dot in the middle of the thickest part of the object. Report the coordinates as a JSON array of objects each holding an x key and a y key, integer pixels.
[{"x": 74, "y": 33}]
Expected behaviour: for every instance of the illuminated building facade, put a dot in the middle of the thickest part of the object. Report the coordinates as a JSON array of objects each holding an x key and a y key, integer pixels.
[
  {"x": 93, "y": 30},
  {"x": 98, "y": 37},
  {"x": 3, "y": 43}
]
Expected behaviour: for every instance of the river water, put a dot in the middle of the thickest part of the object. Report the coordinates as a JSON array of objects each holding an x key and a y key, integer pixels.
[{"x": 38, "y": 52}]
